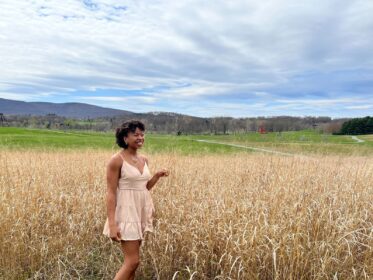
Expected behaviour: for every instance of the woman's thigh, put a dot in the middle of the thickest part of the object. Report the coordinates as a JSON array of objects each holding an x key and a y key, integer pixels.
[{"x": 131, "y": 248}]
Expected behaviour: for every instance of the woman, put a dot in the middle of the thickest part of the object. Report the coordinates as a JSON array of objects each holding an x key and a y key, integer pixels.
[{"x": 130, "y": 206}]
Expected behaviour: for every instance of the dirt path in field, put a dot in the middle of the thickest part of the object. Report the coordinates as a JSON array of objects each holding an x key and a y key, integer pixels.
[
  {"x": 62, "y": 132},
  {"x": 246, "y": 147},
  {"x": 357, "y": 139}
]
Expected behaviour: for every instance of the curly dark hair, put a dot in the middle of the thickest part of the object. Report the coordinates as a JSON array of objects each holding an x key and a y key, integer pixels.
[{"x": 122, "y": 131}]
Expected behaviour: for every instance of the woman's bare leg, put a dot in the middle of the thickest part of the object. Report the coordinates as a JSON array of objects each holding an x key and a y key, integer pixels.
[
  {"x": 131, "y": 251},
  {"x": 132, "y": 277}
]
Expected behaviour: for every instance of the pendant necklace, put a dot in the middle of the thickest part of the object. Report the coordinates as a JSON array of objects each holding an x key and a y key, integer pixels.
[{"x": 135, "y": 160}]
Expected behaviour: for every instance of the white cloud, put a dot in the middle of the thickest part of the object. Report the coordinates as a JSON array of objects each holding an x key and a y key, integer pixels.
[
  {"x": 359, "y": 107},
  {"x": 321, "y": 101},
  {"x": 21, "y": 96},
  {"x": 146, "y": 99},
  {"x": 256, "y": 49}
]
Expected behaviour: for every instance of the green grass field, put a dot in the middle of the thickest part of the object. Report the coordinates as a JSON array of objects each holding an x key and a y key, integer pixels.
[{"x": 300, "y": 142}]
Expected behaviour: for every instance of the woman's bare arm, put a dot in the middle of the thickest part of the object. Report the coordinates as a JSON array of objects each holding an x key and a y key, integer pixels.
[
  {"x": 112, "y": 176},
  {"x": 150, "y": 184}
]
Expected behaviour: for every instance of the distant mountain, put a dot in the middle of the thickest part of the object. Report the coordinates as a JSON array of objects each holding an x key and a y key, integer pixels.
[
  {"x": 164, "y": 122},
  {"x": 70, "y": 110}
]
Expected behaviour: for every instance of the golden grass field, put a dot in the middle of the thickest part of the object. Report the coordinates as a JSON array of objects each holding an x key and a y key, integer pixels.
[{"x": 240, "y": 216}]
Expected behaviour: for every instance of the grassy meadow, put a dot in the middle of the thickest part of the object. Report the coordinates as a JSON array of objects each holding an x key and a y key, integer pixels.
[
  {"x": 223, "y": 213},
  {"x": 308, "y": 142}
]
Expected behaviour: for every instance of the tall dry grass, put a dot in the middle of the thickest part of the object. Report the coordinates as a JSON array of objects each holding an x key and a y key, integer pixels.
[{"x": 253, "y": 216}]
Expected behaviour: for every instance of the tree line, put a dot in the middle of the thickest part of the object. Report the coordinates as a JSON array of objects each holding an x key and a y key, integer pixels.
[
  {"x": 357, "y": 126},
  {"x": 173, "y": 123}
]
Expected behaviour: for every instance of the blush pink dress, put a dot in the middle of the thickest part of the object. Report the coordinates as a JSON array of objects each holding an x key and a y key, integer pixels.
[{"x": 134, "y": 208}]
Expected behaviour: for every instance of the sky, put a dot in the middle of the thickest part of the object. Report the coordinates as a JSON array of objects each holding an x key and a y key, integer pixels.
[{"x": 201, "y": 58}]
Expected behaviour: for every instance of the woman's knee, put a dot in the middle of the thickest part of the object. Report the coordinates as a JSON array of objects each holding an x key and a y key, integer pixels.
[{"x": 132, "y": 262}]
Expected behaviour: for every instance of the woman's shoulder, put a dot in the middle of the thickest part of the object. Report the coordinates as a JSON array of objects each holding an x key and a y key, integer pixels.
[
  {"x": 115, "y": 160},
  {"x": 144, "y": 157}
]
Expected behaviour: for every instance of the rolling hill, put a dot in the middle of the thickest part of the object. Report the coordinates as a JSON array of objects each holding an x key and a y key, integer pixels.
[{"x": 71, "y": 110}]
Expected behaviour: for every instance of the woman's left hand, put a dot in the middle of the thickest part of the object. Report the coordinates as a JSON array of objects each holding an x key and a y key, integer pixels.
[{"x": 162, "y": 173}]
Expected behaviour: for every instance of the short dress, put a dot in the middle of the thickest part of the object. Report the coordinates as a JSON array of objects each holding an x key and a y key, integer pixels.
[{"x": 134, "y": 210}]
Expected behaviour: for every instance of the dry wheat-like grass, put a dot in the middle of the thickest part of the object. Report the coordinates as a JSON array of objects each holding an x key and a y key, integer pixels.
[{"x": 235, "y": 216}]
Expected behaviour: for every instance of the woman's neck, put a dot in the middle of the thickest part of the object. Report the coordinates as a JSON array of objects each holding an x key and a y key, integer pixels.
[{"x": 131, "y": 151}]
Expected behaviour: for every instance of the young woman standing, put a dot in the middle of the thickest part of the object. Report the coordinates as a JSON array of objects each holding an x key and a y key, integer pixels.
[{"x": 130, "y": 207}]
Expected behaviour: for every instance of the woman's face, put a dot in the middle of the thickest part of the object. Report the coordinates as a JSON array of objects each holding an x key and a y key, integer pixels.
[{"x": 135, "y": 139}]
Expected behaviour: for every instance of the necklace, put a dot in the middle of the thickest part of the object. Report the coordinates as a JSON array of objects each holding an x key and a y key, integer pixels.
[{"x": 134, "y": 159}]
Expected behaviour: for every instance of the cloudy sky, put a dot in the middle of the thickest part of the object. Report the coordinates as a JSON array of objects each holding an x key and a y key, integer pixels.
[{"x": 202, "y": 58}]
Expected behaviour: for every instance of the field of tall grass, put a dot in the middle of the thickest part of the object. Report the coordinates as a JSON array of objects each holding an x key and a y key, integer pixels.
[{"x": 218, "y": 216}]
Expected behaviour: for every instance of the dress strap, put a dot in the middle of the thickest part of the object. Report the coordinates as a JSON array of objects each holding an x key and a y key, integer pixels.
[
  {"x": 131, "y": 164},
  {"x": 124, "y": 159},
  {"x": 121, "y": 156}
]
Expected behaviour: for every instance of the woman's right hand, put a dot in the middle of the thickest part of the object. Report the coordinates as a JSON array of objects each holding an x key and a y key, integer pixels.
[{"x": 115, "y": 233}]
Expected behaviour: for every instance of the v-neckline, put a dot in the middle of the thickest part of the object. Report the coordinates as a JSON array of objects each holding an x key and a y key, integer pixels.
[{"x": 143, "y": 169}]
